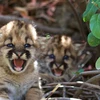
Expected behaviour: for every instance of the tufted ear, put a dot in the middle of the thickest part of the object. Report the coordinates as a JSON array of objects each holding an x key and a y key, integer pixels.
[
  {"x": 33, "y": 31},
  {"x": 1, "y": 40},
  {"x": 1, "y": 43},
  {"x": 43, "y": 41},
  {"x": 4, "y": 31}
]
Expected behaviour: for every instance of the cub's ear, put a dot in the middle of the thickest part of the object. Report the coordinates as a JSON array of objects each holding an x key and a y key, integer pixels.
[
  {"x": 4, "y": 30},
  {"x": 79, "y": 47},
  {"x": 1, "y": 40},
  {"x": 43, "y": 41},
  {"x": 43, "y": 44}
]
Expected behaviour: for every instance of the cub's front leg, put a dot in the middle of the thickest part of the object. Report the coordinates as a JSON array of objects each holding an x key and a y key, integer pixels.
[
  {"x": 34, "y": 94},
  {"x": 3, "y": 96}
]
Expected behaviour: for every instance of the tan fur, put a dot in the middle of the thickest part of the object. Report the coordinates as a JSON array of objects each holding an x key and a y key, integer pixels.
[
  {"x": 15, "y": 83},
  {"x": 59, "y": 46}
]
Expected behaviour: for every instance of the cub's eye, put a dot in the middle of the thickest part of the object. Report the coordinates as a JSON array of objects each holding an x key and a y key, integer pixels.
[
  {"x": 27, "y": 45},
  {"x": 51, "y": 56},
  {"x": 65, "y": 57},
  {"x": 10, "y": 45}
]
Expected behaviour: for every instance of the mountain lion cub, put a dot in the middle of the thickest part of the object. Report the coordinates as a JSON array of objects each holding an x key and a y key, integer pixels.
[{"x": 18, "y": 50}]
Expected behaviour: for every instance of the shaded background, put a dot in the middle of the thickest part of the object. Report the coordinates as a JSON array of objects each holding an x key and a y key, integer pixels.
[{"x": 51, "y": 17}]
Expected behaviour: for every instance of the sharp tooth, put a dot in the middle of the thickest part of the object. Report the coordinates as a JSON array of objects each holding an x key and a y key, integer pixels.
[{"x": 62, "y": 67}]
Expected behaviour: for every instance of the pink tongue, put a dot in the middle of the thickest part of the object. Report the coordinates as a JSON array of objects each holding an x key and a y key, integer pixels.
[
  {"x": 58, "y": 72},
  {"x": 18, "y": 62}
]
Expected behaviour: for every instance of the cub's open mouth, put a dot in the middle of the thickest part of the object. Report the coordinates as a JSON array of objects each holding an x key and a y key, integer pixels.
[
  {"x": 57, "y": 72},
  {"x": 18, "y": 64}
]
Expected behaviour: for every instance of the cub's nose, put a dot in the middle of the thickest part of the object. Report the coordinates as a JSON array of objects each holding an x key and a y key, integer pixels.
[
  {"x": 19, "y": 53},
  {"x": 58, "y": 65}
]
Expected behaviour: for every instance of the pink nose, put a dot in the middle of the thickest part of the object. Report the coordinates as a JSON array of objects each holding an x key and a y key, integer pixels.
[
  {"x": 57, "y": 64},
  {"x": 19, "y": 54}
]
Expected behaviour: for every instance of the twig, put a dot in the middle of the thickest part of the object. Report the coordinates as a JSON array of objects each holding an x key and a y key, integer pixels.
[
  {"x": 97, "y": 95},
  {"x": 91, "y": 80},
  {"x": 87, "y": 91},
  {"x": 78, "y": 83},
  {"x": 86, "y": 73}
]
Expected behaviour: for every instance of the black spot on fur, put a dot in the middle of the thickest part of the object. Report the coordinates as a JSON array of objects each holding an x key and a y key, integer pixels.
[
  {"x": 51, "y": 64},
  {"x": 9, "y": 55},
  {"x": 28, "y": 55},
  {"x": 20, "y": 24}
]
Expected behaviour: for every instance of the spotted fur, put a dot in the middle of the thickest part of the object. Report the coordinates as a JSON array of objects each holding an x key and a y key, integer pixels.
[
  {"x": 18, "y": 49},
  {"x": 59, "y": 58}
]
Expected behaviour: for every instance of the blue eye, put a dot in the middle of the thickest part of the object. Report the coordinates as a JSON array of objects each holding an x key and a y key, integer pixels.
[
  {"x": 51, "y": 56},
  {"x": 65, "y": 57},
  {"x": 10, "y": 45},
  {"x": 27, "y": 45}
]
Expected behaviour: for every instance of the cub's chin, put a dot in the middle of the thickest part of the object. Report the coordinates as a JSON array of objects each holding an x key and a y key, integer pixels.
[{"x": 17, "y": 66}]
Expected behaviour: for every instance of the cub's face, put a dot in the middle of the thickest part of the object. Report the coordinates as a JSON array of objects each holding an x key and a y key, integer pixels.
[
  {"x": 60, "y": 55},
  {"x": 18, "y": 45}
]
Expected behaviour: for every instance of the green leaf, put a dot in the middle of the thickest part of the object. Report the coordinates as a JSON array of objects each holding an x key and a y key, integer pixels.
[
  {"x": 95, "y": 25},
  {"x": 98, "y": 63},
  {"x": 98, "y": 4},
  {"x": 92, "y": 40},
  {"x": 90, "y": 10},
  {"x": 79, "y": 71}
]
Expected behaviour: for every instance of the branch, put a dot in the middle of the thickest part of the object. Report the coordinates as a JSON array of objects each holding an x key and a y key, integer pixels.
[
  {"x": 5, "y": 19},
  {"x": 91, "y": 80},
  {"x": 69, "y": 84},
  {"x": 91, "y": 73},
  {"x": 86, "y": 73}
]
